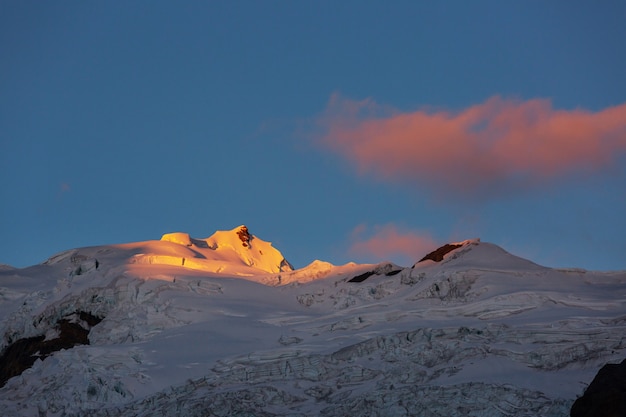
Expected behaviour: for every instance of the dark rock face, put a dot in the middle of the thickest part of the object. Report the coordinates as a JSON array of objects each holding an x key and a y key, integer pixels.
[
  {"x": 21, "y": 354},
  {"x": 384, "y": 269},
  {"x": 362, "y": 277},
  {"x": 605, "y": 396},
  {"x": 438, "y": 254},
  {"x": 244, "y": 235}
]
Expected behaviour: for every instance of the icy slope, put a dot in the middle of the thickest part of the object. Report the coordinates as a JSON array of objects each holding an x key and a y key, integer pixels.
[
  {"x": 482, "y": 332},
  {"x": 234, "y": 252}
]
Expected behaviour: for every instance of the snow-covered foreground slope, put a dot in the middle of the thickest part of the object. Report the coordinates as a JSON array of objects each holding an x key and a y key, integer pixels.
[{"x": 213, "y": 327}]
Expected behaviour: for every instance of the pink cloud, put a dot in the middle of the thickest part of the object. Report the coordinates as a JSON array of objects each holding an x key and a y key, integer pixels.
[
  {"x": 480, "y": 148},
  {"x": 390, "y": 242}
]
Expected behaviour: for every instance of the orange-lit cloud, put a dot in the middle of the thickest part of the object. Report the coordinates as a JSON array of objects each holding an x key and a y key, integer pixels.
[
  {"x": 390, "y": 242},
  {"x": 500, "y": 143}
]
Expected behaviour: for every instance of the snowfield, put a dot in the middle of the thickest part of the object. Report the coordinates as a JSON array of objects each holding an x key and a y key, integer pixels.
[{"x": 225, "y": 326}]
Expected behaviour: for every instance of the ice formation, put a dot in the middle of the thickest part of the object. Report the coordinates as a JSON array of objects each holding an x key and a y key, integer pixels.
[{"x": 224, "y": 326}]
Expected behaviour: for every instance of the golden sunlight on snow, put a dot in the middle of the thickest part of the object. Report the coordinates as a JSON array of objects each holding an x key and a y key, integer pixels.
[{"x": 233, "y": 251}]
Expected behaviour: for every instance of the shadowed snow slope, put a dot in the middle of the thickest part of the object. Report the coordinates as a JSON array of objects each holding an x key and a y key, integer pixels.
[{"x": 224, "y": 326}]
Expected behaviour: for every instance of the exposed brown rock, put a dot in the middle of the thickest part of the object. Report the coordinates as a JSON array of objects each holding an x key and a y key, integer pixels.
[
  {"x": 244, "y": 235},
  {"x": 21, "y": 354},
  {"x": 438, "y": 254},
  {"x": 384, "y": 269}
]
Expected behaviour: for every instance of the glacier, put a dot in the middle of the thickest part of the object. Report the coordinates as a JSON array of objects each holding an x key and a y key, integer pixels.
[{"x": 225, "y": 326}]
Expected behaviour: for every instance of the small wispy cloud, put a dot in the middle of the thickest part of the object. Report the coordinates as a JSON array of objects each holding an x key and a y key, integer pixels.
[
  {"x": 390, "y": 242},
  {"x": 501, "y": 144},
  {"x": 63, "y": 188}
]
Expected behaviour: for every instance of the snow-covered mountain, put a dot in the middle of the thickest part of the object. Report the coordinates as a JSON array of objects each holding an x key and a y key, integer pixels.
[{"x": 225, "y": 326}]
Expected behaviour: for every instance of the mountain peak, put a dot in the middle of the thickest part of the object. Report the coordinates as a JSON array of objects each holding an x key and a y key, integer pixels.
[
  {"x": 244, "y": 235},
  {"x": 251, "y": 249},
  {"x": 235, "y": 245}
]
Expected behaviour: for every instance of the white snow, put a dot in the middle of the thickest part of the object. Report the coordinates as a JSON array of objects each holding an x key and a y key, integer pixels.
[{"x": 199, "y": 326}]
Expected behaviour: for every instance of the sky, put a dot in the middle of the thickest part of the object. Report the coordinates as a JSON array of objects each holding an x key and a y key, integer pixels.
[{"x": 343, "y": 131}]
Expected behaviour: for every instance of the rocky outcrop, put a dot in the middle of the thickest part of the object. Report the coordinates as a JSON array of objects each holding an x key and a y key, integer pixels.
[
  {"x": 21, "y": 354},
  {"x": 382, "y": 269},
  {"x": 244, "y": 236},
  {"x": 438, "y": 254},
  {"x": 605, "y": 396}
]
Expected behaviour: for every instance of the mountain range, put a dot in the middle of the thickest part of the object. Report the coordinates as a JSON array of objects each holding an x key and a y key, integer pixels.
[{"x": 226, "y": 326}]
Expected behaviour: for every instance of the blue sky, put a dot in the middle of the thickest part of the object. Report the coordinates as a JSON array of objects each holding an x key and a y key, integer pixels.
[{"x": 121, "y": 121}]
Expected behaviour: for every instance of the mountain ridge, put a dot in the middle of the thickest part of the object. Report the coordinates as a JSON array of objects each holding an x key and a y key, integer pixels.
[{"x": 492, "y": 333}]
